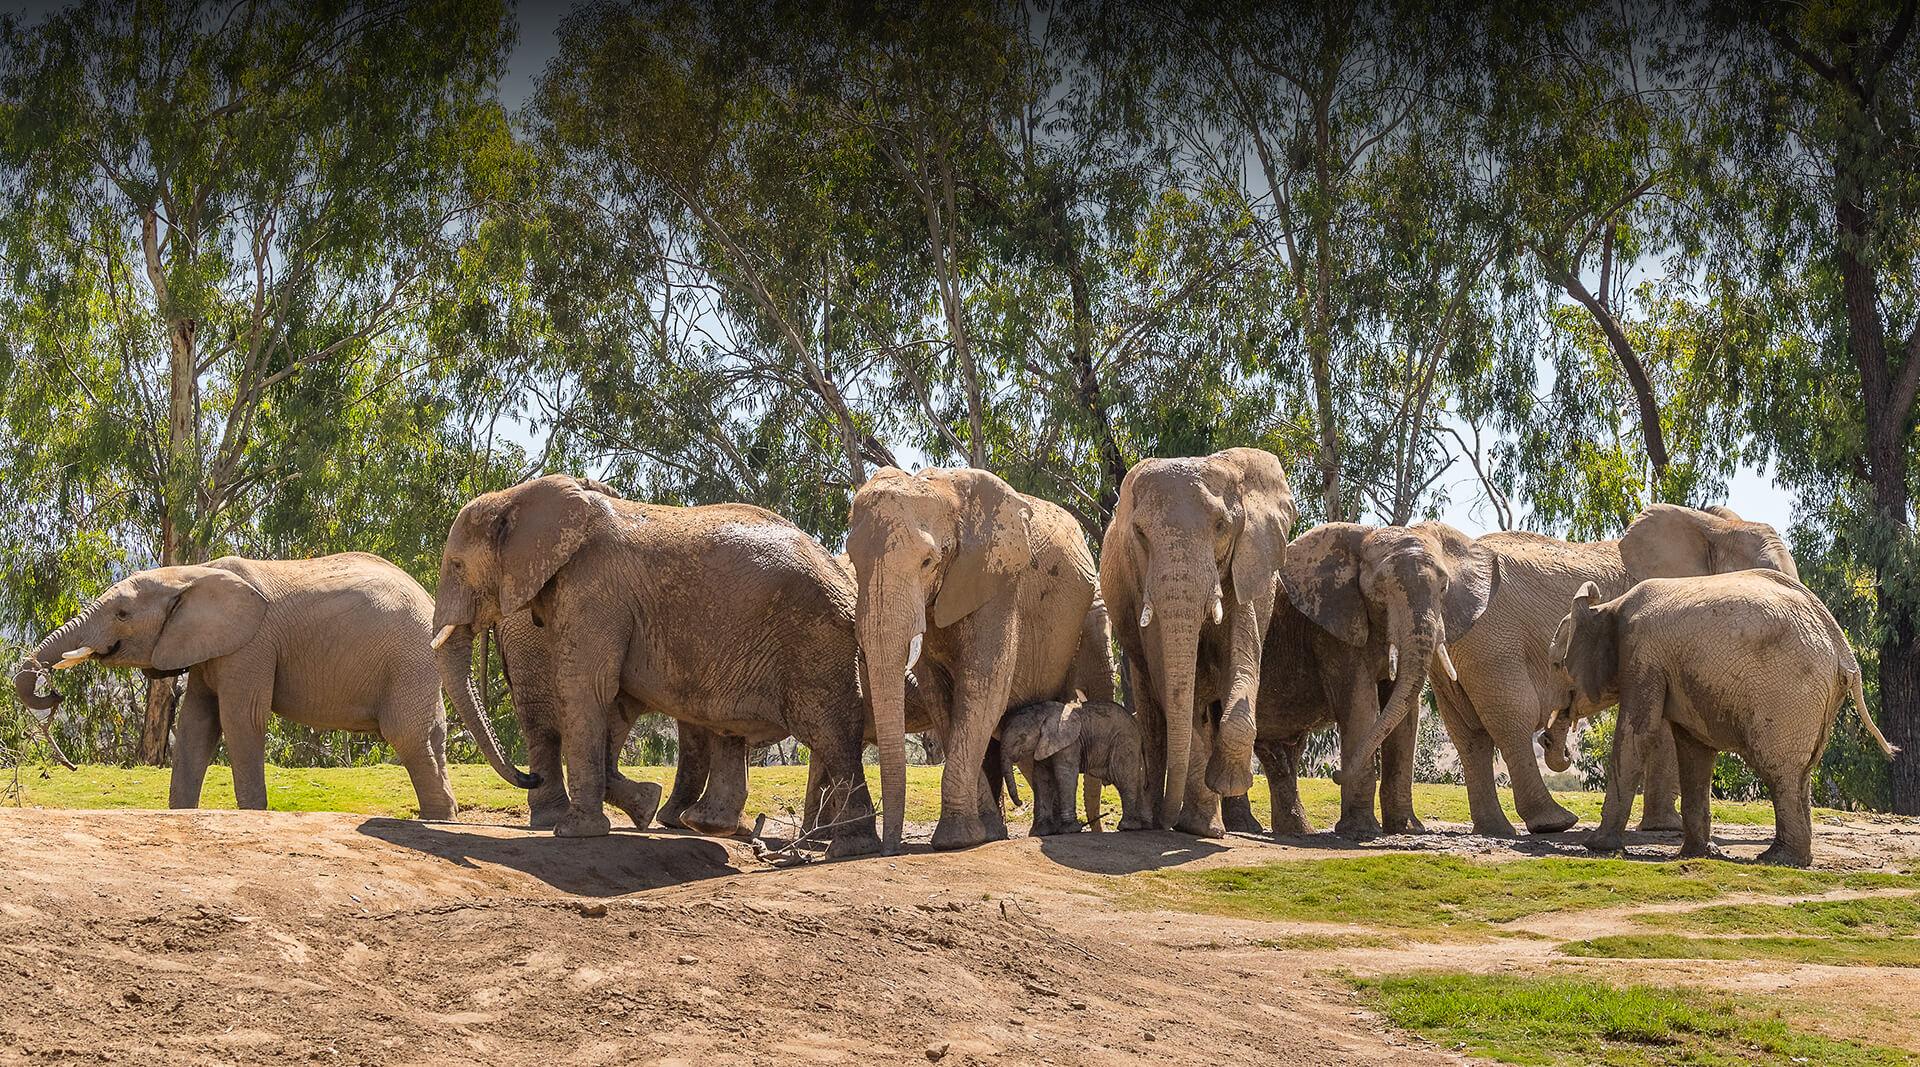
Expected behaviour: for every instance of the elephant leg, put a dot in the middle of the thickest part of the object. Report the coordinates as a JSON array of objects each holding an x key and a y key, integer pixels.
[
  {"x": 846, "y": 811},
  {"x": 1153, "y": 734},
  {"x": 638, "y": 800},
  {"x": 1792, "y": 820},
  {"x": 1046, "y": 805},
  {"x": 1475, "y": 747},
  {"x": 1662, "y": 786},
  {"x": 1283, "y": 789},
  {"x": 1695, "y": 772},
  {"x": 424, "y": 755},
  {"x": 718, "y": 812},
  {"x": 969, "y": 813},
  {"x": 1531, "y": 797},
  {"x": 810, "y": 802},
  {"x": 1065, "y": 771},
  {"x": 1092, "y": 788},
  {"x": 1396, "y": 779},
  {"x": 1200, "y": 815},
  {"x": 1643, "y": 703},
  {"x": 1236, "y": 813},
  {"x": 546, "y": 802},
  {"x": 196, "y": 736},
  {"x": 588, "y": 677},
  {"x": 695, "y": 762},
  {"x": 1357, "y": 821}
]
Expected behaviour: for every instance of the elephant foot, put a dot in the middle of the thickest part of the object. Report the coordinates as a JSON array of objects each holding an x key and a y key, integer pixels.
[
  {"x": 1404, "y": 824},
  {"x": 1502, "y": 828},
  {"x": 1557, "y": 821},
  {"x": 1603, "y": 841},
  {"x": 854, "y": 840},
  {"x": 1358, "y": 827},
  {"x": 959, "y": 831},
  {"x": 1237, "y": 814},
  {"x": 1780, "y": 855},
  {"x": 715, "y": 824},
  {"x": 582, "y": 823},
  {"x": 1661, "y": 820},
  {"x": 1200, "y": 826},
  {"x": 672, "y": 816},
  {"x": 1229, "y": 778},
  {"x": 639, "y": 800},
  {"x": 1704, "y": 850},
  {"x": 439, "y": 813},
  {"x": 546, "y": 816},
  {"x": 1134, "y": 822}
]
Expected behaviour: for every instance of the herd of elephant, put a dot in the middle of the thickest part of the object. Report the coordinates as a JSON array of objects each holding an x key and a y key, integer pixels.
[{"x": 977, "y": 613}]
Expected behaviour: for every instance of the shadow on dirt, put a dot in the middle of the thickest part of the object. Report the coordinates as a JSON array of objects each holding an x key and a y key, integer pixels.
[
  {"x": 608, "y": 866},
  {"x": 1126, "y": 853}
]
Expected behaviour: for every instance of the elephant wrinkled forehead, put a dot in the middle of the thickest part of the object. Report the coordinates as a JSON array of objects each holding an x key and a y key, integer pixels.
[{"x": 1166, "y": 481}]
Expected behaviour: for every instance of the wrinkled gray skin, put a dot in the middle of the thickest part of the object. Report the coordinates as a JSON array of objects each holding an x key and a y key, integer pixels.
[
  {"x": 1748, "y": 662},
  {"x": 1355, "y": 595},
  {"x": 711, "y": 771},
  {"x": 335, "y": 643},
  {"x": 1189, "y": 571},
  {"x": 1507, "y": 691},
  {"x": 992, "y": 588},
  {"x": 614, "y": 581},
  {"x": 1055, "y": 742}
]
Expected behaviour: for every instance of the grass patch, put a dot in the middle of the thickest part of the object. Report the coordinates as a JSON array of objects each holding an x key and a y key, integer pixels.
[
  {"x": 1867, "y": 916},
  {"x": 1400, "y": 891},
  {"x": 1842, "y": 951},
  {"x": 383, "y": 789},
  {"x": 1545, "y": 1020},
  {"x": 1326, "y": 942}
]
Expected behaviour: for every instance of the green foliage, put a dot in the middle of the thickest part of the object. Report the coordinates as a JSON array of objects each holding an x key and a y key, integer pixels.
[
  {"x": 1554, "y": 1020},
  {"x": 1832, "y": 951}
]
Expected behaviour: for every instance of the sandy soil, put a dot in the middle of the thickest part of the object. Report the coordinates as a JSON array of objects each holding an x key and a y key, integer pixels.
[{"x": 218, "y": 936}]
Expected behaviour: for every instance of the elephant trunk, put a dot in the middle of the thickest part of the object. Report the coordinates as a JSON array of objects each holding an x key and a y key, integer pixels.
[
  {"x": 891, "y": 626},
  {"x": 33, "y": 669},
  {"x": 456, "y": 677},
  {"x": 1179, "y": 654},
  {"x": 1230, "y": 768},
  {"x": 1418, "y": 634}
]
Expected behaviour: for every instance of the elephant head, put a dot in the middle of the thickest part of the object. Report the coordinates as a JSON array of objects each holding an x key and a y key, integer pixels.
[
  {"x": 1671, "y": 541},
  {"x": 1586, "y": 650},
  {"x": 928, "y": 549},
  {"x": 1194, "y": 547},
  {"x": 1414, "y": 587},
  {"x": 502, "y": 551}
]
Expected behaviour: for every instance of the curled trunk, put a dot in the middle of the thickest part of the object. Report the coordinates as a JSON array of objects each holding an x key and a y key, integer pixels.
[
  {"x": 27, "y": 676},
  {"x": 1417, "y": 636},
  {"x": 456, "y": 677}
]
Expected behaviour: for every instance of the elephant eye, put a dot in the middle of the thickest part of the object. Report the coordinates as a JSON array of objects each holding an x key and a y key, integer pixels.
[
  {"x": 925, "y": 563},
  {"x": 122, "y": 614}
]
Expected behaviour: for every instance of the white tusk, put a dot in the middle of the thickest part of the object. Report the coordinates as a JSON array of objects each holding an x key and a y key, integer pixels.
[
  {"x": 1219, "y": 611},
  {"x": 1146, "y": 613},
  {"x": 441, "y": 637},
  {"x": 1393, "y": 662},
  {"x": 78, "y": 655},
  {"x": 1446, "y": 662},
  {"x": 913, "y": 650}
]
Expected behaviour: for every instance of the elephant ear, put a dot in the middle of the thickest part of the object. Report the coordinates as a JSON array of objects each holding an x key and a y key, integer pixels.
[
  {"x": 1592, "y": 654},
  {"x": 1059, "y": 729},
  {"x": 546, "y": 522},
  {"x": 1562, "y": 639},
  {"x": 1322, "y": 579},
  {"x": 1473, "y": 577},
  {"x": 1671, "y": 541},
  {"x": 994, "y": 541},
  {"x": 213, "y": 615},
  {"x": 1266, "y": 517}
]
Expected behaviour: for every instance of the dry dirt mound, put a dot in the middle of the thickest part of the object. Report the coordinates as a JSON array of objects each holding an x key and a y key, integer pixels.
[{"x": 252, "y": 936}]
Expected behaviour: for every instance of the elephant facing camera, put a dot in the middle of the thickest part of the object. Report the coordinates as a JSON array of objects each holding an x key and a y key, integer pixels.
[{"x": 1054, "y": 743}]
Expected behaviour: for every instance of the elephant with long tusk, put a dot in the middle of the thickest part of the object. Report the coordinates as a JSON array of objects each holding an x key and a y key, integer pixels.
[
  {"x": 335, "y": 643},
  {"x": 1191, "y": 558}
]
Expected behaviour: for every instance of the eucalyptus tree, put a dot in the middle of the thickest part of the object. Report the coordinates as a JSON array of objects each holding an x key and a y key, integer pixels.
[{"x": 221, "y": 221}]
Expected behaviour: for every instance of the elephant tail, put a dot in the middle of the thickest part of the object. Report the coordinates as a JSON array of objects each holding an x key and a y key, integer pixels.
[{"x": 1851, "y": 667}]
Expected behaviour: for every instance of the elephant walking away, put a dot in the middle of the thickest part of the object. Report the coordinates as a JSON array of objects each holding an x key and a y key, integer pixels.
[
  {"x": 334, "y": 643},
  {"x": 725, "y": 616},
  {"x": 1189, "y": 568},
  {"x": 986, "y": 591},
  {"x": 1507, "y": 692},
  {"x": 1749, "y": 662},
  {"x": 1366, "y": 610},
  {"x": 1055, "y": 742}
]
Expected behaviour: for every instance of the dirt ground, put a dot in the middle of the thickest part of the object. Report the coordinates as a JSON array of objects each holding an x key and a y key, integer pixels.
[{"x": 223, "y": 936}]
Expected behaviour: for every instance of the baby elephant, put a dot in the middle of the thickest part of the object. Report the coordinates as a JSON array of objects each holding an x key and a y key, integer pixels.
[
  {"x": 1748, "y": 662},
  {"x": 1053, "y": 743}
]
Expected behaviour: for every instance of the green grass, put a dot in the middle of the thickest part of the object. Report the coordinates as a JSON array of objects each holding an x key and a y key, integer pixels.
[
  {"x": 1326, "y": 942},
  {"x": 383, "y": 789},
  {"x": 1545, "y": 1020},
  {"x": 1867, "y": 916},
  {"x": 1841, "y": 951},
  {"x": 1400, "y": 891}
]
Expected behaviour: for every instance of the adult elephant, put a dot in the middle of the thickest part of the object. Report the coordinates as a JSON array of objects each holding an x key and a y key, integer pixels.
[
  {"x": 725, "y": 616},
  {"x": 1367, "y": 609},
  {"x": 1190, "y": 567},
  {"x": 985, "y": 589},
  {"x": 1507, "y": 689},
  {"x": 335, "y": 643}
]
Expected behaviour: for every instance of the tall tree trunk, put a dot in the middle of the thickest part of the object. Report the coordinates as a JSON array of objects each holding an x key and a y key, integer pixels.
[
  {"x": 181, "y": 483},
  {"x": 1113, "y": 462},
  {"x": 1320, "y": 340}
]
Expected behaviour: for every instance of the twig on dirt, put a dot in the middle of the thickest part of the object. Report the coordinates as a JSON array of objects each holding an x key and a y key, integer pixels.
[{"x": 802, "y": 841}]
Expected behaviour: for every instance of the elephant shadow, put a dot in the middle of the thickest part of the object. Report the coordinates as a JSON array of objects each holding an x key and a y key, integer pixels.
[
  {"x": 616, "y": 864},
  {"x": 1126, "y": 853}
]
